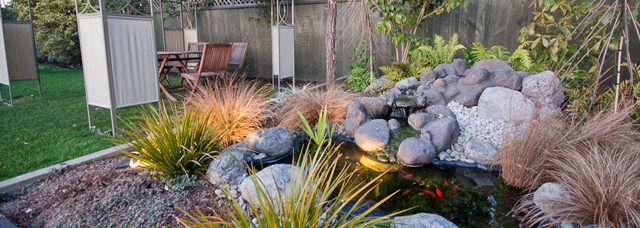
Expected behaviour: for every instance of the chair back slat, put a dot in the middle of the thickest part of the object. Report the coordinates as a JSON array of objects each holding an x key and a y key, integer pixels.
[
  {"x": 195, "y": 46},
  {"x": 238, "y": 53},
  {"x": 215, "y": 57}
]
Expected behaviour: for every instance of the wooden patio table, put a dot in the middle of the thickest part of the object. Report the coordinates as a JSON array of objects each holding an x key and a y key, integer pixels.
[{"x": 173, "y": 56}]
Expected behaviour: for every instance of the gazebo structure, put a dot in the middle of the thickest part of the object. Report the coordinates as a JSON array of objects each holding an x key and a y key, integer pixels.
[
  {"x": 17, "y": 54},
  {"x": 118, "y": 54}
]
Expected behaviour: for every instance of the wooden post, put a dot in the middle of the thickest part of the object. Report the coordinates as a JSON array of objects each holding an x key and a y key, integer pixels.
[{"x": 330, "y": 40}]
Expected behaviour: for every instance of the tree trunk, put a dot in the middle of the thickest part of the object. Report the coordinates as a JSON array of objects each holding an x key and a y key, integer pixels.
[{"x": 330, "y": 40}]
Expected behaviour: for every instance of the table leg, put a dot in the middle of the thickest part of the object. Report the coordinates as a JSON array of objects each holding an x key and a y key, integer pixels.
[{"x": 160, "y": 74}]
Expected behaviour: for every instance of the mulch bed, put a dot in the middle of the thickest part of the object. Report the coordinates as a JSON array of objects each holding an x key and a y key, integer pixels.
[{"x": 100, "y": 195}]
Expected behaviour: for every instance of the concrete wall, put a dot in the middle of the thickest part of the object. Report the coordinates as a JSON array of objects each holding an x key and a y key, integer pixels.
[
  {"x": 233, "y": 25},
  {"x": 491, "y": 22}
]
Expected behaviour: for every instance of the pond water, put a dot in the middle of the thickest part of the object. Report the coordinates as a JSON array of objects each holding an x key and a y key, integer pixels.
[{"x": 467, "y": 197}]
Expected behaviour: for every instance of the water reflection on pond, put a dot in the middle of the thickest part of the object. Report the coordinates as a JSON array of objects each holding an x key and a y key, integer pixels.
[{"x": 467, "y": 197}]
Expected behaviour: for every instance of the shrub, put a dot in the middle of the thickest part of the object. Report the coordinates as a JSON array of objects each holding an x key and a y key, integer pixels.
[
  {"x": 319, "y": 174},
  {"x": 311, "y": 102},
  {"x": 397, "y": 71},
  {"x": 234, "y": 104},
  {"x": 173, "y": 145},
  {"x": 360, "y": 76}
]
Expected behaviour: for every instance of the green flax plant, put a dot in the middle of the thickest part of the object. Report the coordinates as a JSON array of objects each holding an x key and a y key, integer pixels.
[
  {"x": 317, "y": 196},
  {"x": 172, "y": 145}
]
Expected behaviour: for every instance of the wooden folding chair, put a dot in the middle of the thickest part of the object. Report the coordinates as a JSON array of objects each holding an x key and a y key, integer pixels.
[
  {"x": 192, "y": 65},
  {"x": 238, "y": 55},
  {"x": 214, "y": 61}
]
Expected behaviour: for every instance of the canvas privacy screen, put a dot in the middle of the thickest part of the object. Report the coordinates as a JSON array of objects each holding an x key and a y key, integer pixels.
[{"x": 119, "y": 60}]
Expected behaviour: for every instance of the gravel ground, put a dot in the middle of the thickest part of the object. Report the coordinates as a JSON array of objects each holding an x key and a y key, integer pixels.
[{"x": 100, "y": 195}]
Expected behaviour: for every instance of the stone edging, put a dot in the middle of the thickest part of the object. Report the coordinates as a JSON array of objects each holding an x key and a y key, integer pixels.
[{"x": 18, "y": 182}]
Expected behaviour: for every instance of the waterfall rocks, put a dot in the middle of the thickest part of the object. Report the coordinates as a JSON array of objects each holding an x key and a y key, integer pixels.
[
  {"x": 480, "y": 151},
  {"x": 423, "y": 220},
  {"x": 443, "y": 132},
  {"x": 373, "y": 135},
  {"x": 356, "y": 115},
  {"x": 274, "y": 142},
  {"x": 548, "y": 195},
  {"x": 500, "y": 103},
  {"x": 545, "y": 90},
  {"x": 414, "y": 152}
]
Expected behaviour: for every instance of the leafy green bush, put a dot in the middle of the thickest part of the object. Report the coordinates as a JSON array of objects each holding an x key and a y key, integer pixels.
[
  {"x": 518, "y": 60},
  {"x": 438, "y": 53},
  {"x": 173, "y": 145},
  {"x": 360, "y": 76},
  {"x": 399, "y": 70},
  {"x": 319, "y": 174}
]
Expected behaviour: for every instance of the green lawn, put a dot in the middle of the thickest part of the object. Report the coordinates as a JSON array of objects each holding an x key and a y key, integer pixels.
[{"x": 42, "y": 131}]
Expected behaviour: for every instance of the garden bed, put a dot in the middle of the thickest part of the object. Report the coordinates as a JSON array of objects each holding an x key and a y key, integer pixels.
[{"x": 101, "y": 195}]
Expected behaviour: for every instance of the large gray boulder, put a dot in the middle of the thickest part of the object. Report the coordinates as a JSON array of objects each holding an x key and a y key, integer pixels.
[
  {"x": 356, "y": 115},
  {"x": 480, "y": 151},
  {"x": 545, "y": 90},
  {"x": 274, "y": 142},
  {"x": 548, "y": 197},
  {"x": 505, "y": 104},
  {"x": 414, "y": 152},
  {"x": 427, "y": 76},
  {"x": 377, "y": 107},
  {"x": 444, "y": 70},
  {"x": 423, "y": 220},
  {"x": 407, "y": 83},
  {"x": 443, "y": 132},
  {"x": 275, "y": 181},
  {"x": 373, "y": 135},
  {"x": 229, "y": 168},
  {"x": 460, "y": 66},
  {"x": 418, "y": 120}
]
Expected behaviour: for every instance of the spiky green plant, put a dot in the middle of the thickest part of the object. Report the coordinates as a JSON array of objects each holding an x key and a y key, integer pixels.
[
  {"x": 317, "y": 197},
  {"x": 441, "y": 51},
  {"x": 173, "y": 145}
]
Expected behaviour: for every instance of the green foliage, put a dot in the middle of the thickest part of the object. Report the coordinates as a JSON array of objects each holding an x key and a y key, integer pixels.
[
  {"x": 55, "y": 28},
  {"x": 438, "y": 53},
  {"x": 301, "y": 206},
  {"x": 172, "y": 145},
  {"x": 518, "y": 60},
  {"x": 402, "y": 19},
  {"x": 360, "y": 76},
  {"x": 319, "y": 137},
  {"x": 399, "y": 70},
  {"x": 571, "y": 38}
]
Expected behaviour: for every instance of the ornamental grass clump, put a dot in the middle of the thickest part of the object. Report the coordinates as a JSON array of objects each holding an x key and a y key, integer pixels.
[
  {"x": 240, "y": 106},
  {"x": 317, "y": 197},
  {"x": 172, "y": 145},
  {"x": 597, "y": 159},
  {"x": 310, "y": 102}
]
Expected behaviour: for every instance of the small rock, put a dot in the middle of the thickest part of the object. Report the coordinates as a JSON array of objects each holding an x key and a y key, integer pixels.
[
  {"x": 226, "y": 168},
  {"x": 546, "y": 197},
  {"x": 469, "y": 161},
  {"x": 394, "y": 125},
  {"x": 481, "y": 151},
  {"x": 234, "y": 193},
  {"x": 218, "y": 192},
  {"x": 419, "y": 120}
]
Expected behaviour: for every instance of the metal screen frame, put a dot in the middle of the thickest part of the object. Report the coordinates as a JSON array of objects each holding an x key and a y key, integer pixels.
[
  {"x": 9, "y": 69},
  {"x": 119, "y": 59}
]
